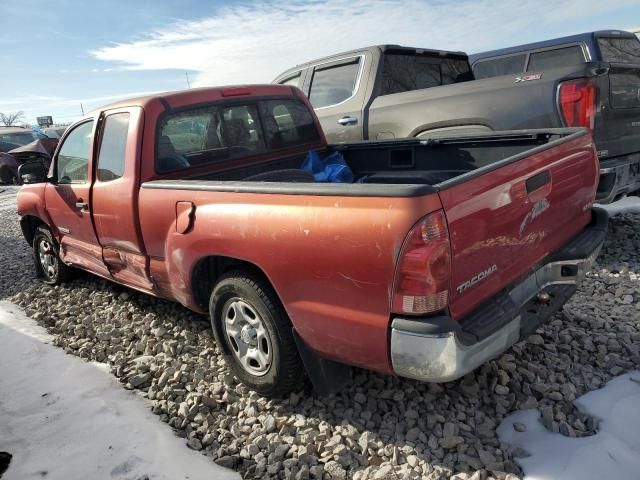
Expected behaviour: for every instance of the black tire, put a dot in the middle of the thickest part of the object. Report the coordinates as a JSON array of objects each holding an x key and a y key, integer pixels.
[
  {"x": 46, "y": 255},
  {"x": 285, "y": 372}
]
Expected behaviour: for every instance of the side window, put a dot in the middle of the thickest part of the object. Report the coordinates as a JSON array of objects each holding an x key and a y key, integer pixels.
[
  {"x": 113, "y": 147},
  {"x": 288, "y": 123},
  {"x": 73, "y": 158},
  {"x": 403, "y": 72},
  {"x": 559, "y": 57},
  {"x": 292, "y": 81},
  {"x": 204, "y": 135},
  {"x": 499, "y": 66},
  {"x": 333, "y": 85}
]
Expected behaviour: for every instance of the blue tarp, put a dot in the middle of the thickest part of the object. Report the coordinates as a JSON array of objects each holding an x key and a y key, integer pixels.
[{"x": 331, "y": 169}]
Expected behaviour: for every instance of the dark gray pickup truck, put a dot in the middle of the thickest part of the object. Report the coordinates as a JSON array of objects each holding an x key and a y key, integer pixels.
[
  {"x": 606, "y": 68},
  {"x": 389, "y": 91}
]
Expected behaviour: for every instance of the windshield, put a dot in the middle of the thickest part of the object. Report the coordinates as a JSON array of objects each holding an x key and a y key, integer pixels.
[{"x": 12, "y": 140}]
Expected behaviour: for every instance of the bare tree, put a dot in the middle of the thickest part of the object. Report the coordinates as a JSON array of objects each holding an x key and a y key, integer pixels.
[{"x": 8, "y": 119}]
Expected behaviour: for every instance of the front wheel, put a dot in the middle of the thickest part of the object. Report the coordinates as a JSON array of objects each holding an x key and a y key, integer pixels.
[
  {"x": 47, "y": 259},
  {"x": 254, "y": 333}
]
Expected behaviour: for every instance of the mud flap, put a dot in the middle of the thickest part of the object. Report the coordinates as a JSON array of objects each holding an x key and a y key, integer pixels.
[{"x": 327, "y": 376}]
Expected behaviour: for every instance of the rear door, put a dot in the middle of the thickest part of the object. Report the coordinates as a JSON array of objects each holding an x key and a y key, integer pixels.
[
  {"x": 504, "y": 222},
  {"x": 618, "y": 123},
  {"x": 68, "y": 199},
  {"x": 336, "y": 89},
  {"x": 115, "y": 197}
]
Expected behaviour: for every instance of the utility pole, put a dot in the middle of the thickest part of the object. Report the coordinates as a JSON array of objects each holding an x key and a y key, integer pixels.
[
  {"x": 82, "y": 109},
  {"x": 186, "y": 74}
]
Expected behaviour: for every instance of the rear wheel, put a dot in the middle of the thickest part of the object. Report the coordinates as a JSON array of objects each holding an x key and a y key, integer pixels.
[
  {"x": 47, "y": 259},
  {"x": 254, "y": 333}
]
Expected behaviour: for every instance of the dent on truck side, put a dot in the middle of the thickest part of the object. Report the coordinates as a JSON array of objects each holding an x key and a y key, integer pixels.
[{"x": 330, "y": 259}]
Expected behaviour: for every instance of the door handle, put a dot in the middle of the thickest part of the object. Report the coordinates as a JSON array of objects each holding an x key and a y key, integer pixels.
[
  {"x": 348, "y": 121},
  {"x": 82, "y": 205}
]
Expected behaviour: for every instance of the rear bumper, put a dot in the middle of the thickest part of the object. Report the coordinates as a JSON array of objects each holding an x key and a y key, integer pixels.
[
  {"x": 440, "y": 349},
  {"x": 618, "y": 177}
]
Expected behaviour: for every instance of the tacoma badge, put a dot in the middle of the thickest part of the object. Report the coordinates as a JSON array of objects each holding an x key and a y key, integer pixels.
[{"x": 476, "y": 278}]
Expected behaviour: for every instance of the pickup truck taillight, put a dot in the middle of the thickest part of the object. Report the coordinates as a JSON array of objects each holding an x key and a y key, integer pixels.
[
  {"x": 421, "y": 284},
  {"x": 577, "y": 103}
]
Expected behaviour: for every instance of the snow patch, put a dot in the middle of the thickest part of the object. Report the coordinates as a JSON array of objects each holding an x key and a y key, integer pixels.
[
  {"x": 63, "y": 418},
  {"x": 614, "y": 452},
  {"x": 624, "y": 205}
]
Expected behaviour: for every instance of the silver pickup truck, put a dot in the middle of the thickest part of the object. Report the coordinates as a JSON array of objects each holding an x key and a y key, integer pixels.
[{"x": 388, "y": 91}]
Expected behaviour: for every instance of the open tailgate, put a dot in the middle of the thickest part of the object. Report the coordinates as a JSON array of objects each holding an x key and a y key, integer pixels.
[{"x": 506, "y": 217}]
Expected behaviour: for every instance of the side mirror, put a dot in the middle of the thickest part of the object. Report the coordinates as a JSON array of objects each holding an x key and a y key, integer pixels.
[{"x": 33, "y": 172}]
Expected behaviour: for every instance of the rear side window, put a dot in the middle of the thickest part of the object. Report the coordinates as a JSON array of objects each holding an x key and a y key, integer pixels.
[
  {"x": 559, "y": 57},
  {"x": 620, "y": 50},
  {"x": 333, "y": 85},
  {"x": 288, "y": 123},
  {"x": 205, "y": 135},
  {"x": 73, "y": 158},
  {"x": 113, "y": 147},
  {"x": 500, "y": 66},
  {"x": 406, "y": 72}
]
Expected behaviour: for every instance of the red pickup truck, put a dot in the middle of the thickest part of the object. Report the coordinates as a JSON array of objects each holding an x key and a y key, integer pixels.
[{"x": 439, "y": 256}]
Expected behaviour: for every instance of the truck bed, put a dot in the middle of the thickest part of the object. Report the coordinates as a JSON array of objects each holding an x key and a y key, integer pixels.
[{"x": 406, "y": 167}]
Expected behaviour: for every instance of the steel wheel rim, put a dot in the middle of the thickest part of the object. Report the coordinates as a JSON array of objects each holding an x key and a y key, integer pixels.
[
  {"x": 48, "y": 258},
  {"x": 247, "y": 337}
]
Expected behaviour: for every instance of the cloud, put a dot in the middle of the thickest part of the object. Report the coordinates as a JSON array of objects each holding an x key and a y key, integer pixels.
[{"x": 255, "y": 42}]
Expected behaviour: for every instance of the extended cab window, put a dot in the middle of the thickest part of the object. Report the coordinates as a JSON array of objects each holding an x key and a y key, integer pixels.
[
  {"x": 404, "y": 72},
  {"x": 558, "y": 57},
  {"x": 288, "y": 123},
  {"x": 335, "y": 84},
  {"x": 113, "y": 147},
  {"x": 500, "y": 66},
  {"x": 73, "y": 157},
  {"x": 205, "y": 135},
  {"x": 620, "y": 50}
]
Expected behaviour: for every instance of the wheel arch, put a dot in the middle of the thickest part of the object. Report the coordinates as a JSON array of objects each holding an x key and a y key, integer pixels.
[
  {"x": 29, "y": 224},
  {"x": 207, "y": 270}
]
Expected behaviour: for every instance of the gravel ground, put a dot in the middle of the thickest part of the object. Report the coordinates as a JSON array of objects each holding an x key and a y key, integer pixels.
[{"x": 380, "y": 427}]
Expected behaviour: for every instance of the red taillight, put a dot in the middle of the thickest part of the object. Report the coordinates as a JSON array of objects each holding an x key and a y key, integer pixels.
[
  {"x": 422, "y": 277},
  {"x": 577, "y": 102}
]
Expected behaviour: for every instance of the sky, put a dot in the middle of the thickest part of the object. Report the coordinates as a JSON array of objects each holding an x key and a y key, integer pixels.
[{"x": 59, "y": 57}]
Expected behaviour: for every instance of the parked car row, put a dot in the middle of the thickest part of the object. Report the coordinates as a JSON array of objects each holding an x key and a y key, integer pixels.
[{"x": 435, "y": 254}]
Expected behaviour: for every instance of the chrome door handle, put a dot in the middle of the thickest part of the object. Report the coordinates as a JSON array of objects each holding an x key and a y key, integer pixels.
[
  {"x": 348, "y": 121},
  {"x": 82, "y": 205}
]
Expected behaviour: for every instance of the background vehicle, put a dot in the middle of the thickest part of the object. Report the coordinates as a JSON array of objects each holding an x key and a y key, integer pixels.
[
  {"x": 38, "y": 150},
  {"x": 388, "y": 91},
  {"x": 54, "y": 132},
  {"x": 440, "y": 256},
  {"x": 608, "y": 85},
  {"x": 14, "y": 137}
]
